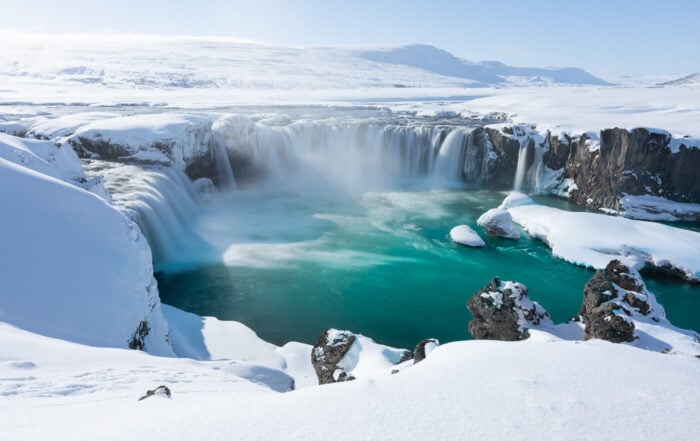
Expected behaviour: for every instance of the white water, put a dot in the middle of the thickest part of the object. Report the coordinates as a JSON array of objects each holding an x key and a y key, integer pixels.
[
  {"x": 162, "y": 201},
  {"x": 328, "y": 159},
  {"x": 521, "y": 169},
  {"x": 352, "y": 157}
]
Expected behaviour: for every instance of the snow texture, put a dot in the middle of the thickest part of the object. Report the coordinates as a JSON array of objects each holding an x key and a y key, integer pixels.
[
  {"x": 464, "y": 235},
  {"x": 593, "y": 240}
]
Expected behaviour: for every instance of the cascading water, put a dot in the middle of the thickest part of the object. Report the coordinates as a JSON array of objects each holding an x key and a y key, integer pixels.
[
  {"x": 161, "y": 200},
  {"x": 353, "y": 156},
  {"x": 224, "y": 171},
  {"x": 521, "y": 169}
]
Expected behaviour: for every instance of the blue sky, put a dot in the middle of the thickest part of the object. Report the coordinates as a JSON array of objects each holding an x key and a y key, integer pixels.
[{"x": 610, "y": 37}]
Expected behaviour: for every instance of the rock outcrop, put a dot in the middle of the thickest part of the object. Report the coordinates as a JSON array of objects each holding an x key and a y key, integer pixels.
[
  {"x": 424, "y": 348},
  {"x": 620, "y": 162},
  {"x": 503, "y": 311},
  {"x": 329, "y": 350},
  {"x": 612, "y": 299}
]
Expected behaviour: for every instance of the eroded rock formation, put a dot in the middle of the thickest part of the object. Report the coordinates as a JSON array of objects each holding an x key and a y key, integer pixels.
[
  {"x": 503, "y": 311},
  {"x": 612, "y": 299}
]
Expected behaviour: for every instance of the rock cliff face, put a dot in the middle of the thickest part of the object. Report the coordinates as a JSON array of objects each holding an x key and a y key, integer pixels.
[{"x": 635, "y": 162}]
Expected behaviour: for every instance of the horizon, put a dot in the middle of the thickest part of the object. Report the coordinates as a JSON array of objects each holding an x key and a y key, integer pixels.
[{"x": 595, "y": 47}]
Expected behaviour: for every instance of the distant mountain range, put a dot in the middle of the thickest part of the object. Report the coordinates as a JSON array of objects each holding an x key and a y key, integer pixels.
[
  {"x": 693, "y": 78},
  {"x": 441, "y": 62}
]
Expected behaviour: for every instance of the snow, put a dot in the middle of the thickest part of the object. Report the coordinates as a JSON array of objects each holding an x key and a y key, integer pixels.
[
  {"x": 181, "y": 136},
  {"x": 367, "y": 359},
  {"x": 45, "y": 391},
  {"x": 464, "y": 235},
  {"x": 501, "y": 220},
  {"x": 188, "y": 72},
  {"x": 72, "y": 264},
  {"x": 655, "y": 208},
  {"x": 593, "y": 240}
]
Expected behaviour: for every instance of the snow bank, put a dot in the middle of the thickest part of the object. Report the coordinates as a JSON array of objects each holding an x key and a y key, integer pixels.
[
  {"x": 207, "y": 338},
  {"x": 654, "y": 208},
  {"x": 71, "y": 266},
  {"x": 45, "y": 391},
  {"x": 595, "y": 239},
  {"x": 170, "y": 138},
  {"x": 464, "y": 235}
]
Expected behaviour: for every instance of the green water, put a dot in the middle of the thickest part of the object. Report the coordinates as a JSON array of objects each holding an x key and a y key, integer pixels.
[{"x": 380, "y": 264}]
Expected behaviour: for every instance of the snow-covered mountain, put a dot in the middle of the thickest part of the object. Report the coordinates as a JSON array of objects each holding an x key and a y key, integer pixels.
[
  {"x": 433, "y": 59},
  {"x": 693, "y": 78},
  {"x": 147, "y": 62}
]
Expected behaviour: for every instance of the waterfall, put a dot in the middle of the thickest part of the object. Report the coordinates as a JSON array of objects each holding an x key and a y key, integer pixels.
[
  {"x": 521, "y": 168},
  {"x": 354, "y": 156},
  {"x": 162, "y": 201},
  {"x": 224, "y": 172}
]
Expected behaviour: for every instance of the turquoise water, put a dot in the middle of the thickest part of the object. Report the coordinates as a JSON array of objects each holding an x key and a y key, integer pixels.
[{"x": 380, "y": 264}]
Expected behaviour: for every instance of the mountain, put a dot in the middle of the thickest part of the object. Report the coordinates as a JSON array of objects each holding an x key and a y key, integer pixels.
[
  {"x": 693, "y": 78},
  {"x": 435, "y": 60}
]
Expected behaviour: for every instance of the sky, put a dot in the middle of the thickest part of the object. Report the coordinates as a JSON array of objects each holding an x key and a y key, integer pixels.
[{"x": 607, "y": 38}]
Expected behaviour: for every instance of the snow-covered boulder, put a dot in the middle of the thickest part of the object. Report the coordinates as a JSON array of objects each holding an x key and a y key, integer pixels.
[
  {"x": 611, "y": 299},
  {"x": 464, "y": 235},
  {"x": 343, "y": 356},
  {"x": 503, "y": 311},
  {"x": 498, "y": 222},
  {"x": 72, "y": 266}
]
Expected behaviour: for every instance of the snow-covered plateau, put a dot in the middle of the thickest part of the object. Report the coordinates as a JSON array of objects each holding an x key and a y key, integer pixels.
[{"x": 113, "y": 143}]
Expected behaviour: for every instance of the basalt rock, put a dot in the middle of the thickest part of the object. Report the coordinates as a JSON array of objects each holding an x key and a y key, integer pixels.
[
  {"x": 329, "y": 350},
  {"x": 423, "y": 348},
  {"x": 633, "y": 162},
  {"x": 611, "y": 299},
  {"x": 503, "y": 311}
]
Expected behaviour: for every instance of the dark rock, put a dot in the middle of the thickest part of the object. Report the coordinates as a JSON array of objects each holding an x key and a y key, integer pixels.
[
  {"x": 329, "y": 349},
  {"x": 611, "y": 299},
  {"x": 634, "y": 162},
  {"x": 137, "y": 340},
  {"x": 162, "y": 391},
  {"x": 419, "y": 353},
  {"x": 503, "y": 311}
]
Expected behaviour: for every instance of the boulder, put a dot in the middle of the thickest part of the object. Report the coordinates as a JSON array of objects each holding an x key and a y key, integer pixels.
[
  {"x": 329, "y": 350},
  {"x": 611, "y": 301},
  {"x": 498, "y": 222},
  {"x": 424, "y": 348},
  {"x": 503, "y": 311}
]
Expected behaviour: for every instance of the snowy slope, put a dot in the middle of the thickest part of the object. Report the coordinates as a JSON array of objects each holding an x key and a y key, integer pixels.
[
  {"x": 73, "y": 267},
  {"x": 489, "y": 390}
]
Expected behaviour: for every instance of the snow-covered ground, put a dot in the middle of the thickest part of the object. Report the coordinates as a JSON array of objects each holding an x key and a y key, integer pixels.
[
  {"x": 489, "y": 390},
  {"x": 187, "y": 72}
]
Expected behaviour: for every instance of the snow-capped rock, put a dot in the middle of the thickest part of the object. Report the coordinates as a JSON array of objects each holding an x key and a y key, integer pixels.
[
  {"x": 503, "y": 311},
  {"x": 611, "y": 299},
  {"x": 464, "y": 235},
  {"x": 343, "y": 356},
  {"x": 498, "y": 222}
]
